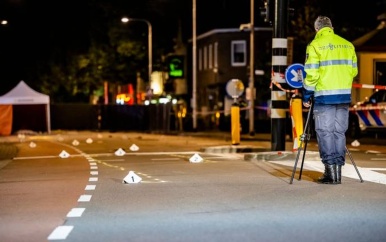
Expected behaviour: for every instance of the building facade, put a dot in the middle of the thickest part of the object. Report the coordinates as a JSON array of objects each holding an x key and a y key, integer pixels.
[{"x": 223, "y": 55}]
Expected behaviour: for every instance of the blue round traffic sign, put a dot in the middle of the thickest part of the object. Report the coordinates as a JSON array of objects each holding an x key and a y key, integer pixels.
[{"x": 294, "y": 75}]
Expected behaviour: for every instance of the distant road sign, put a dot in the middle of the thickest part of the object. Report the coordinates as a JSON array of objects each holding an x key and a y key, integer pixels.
[
  {"x": 235, "y": 88},
  {"x": 294, "y": 75}
]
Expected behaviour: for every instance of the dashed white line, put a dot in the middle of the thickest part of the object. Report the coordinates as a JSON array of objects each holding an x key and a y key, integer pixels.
[
  {"x": 93, "y": 179},
  {"x": 60, "y": 233},
  {"x": 84, "y": 198},
  {"x": 90, "y": 187},
  {"x": 76, "y": 212},
  {"x": 94, "y": 173}
]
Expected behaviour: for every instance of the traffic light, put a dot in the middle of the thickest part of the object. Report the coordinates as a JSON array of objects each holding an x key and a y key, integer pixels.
[{"x": 175, "y": 65}]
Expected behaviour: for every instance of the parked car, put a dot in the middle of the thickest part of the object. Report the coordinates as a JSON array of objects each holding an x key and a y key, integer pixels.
[{"x": 369, "y": 115}]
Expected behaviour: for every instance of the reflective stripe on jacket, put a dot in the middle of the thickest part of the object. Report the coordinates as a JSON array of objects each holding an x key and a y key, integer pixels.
[{"x": 331, "y": 65}]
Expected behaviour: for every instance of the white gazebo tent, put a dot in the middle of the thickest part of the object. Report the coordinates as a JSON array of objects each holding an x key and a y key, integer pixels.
[{"x": 22, "y": 94}]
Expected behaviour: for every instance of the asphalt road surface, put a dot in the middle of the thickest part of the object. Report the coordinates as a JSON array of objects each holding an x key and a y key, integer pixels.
[{"x": 140, "y": 187}]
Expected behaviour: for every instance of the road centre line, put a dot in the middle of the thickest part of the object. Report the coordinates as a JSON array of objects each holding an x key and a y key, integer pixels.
[
  {"x": 85, "y": 198},
  {"x": 76, "y": 212}
]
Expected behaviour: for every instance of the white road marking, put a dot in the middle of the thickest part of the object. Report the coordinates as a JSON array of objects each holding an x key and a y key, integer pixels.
[
  {"x": 76, "y": 212},
  {"x": 94, "y": 167},
  {"x": 84, "y": 198},
  {"x": 93, "y": 163},
  {"x": 348, "y": 170},
  {"x": 93, "y": 179},
  {"x": 372, "y": 152},
  {"x": 378, "y": 158},
  {"x": 115, "y": 160},
  {"x": 106, "y": 154},
  {"x": 90, "y": 187},
  {"x": 377, "y": 169},
  {"x": 60, "y": 233},
  {"x": 166, "y": 159},
  {"x": 94, "y": 173}
]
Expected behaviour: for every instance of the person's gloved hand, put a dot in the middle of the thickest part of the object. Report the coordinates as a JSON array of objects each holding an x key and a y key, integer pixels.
[{"x": 307, "y": 104}]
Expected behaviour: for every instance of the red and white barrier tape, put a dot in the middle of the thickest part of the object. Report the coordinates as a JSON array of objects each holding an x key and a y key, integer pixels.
[{"x": 357, "y": 85}]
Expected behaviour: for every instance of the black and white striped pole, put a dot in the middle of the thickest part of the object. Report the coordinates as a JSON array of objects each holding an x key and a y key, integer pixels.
[{"x": 276, "y": 11}]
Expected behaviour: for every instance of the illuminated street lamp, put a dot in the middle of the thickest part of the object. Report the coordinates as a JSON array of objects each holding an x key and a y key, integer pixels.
[{"x": 150, "y": 40}]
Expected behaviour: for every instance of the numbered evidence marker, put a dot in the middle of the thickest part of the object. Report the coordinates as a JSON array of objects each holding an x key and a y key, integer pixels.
[
  {"x": 64, "y": 154},
  {"x": 120, "y": 152},
  {"x": 132, "y": 178},
  {"x": 134, "y": 147},
  {"x": 196, "y": 158}
]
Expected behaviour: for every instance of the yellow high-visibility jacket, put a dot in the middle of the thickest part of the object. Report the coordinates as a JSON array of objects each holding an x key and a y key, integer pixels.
[{"x": 331, "y": 65}]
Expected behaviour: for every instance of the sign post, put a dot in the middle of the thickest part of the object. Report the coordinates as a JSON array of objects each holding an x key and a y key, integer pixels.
[{"x": 235, "y": 89}]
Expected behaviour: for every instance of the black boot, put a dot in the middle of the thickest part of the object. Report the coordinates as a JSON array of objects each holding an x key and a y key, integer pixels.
[
  {"x": 329, "y": 176},
  {"x": 338, "y": 174}
]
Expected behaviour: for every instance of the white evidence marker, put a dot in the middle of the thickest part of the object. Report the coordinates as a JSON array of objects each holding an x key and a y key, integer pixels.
[
  {"x": 64, "y": 154},
  {"x": 134, "y": 147},
  {"x": 120, "y": 152},
  {"x": 132, "y": 178},
  {"x": 196, "y": 158}
]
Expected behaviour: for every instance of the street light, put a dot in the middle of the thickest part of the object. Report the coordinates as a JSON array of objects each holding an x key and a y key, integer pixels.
[{"x": 149, "y": 41}]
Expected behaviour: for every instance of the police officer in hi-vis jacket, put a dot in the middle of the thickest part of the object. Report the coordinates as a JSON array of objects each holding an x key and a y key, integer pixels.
[{"x": 330, "y": 66}]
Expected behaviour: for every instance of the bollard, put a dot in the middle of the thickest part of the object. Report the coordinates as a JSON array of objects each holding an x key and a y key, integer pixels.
[
  {"x": 235, "y": 123},
  {"x": 296, "y": 111}
]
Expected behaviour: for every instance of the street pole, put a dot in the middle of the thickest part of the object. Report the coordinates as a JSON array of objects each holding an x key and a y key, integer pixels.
[
  {"x": 279, "y": 65},
  {"x": 149, "y": 42},
  {"x": 150, "y": 49},
  {"x": 252, "y": 71},
  {"x": 194, "y": 69}
]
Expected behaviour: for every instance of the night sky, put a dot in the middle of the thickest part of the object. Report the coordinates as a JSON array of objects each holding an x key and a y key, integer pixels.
[{"x": 37, "y": 27}]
